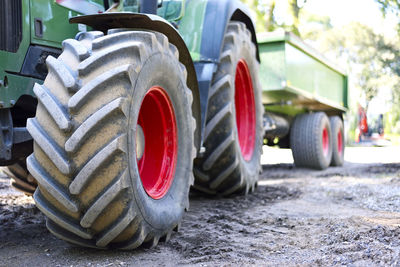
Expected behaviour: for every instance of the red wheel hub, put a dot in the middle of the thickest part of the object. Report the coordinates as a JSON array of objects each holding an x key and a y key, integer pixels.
[
  {"x": 245, "y": 110},
  {"x": 340, "y": 142},
  {"x": 325, "y": 142},
  {"x": 158, "y": 162}
]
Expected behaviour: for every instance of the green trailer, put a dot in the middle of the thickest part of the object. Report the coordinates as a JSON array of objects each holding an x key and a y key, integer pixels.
[{"x": 297, "y": 84}]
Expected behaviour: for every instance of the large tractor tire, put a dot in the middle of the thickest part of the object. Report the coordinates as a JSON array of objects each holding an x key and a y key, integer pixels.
[
  {"x": 337, "y": 141},
  {"x": 233, "y": 134},
  {"x": 113, "y": 140},
  {"x": 311, "y": 141},
  {"x": 21, "y": 179}
]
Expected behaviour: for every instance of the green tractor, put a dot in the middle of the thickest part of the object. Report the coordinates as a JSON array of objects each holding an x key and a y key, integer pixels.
[
  {"x": 111, "y": 110},
  {"x": 144, "y": 99}
]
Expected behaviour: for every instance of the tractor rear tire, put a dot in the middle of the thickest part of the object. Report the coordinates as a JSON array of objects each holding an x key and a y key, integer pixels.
[
  {"x": 233, "y": 135},
  {"x": 21, "y": 179},
  {"x": 311, "y": 142},
  {"x": 337, "y": 141},
  {"x": 113, "y": 140}
]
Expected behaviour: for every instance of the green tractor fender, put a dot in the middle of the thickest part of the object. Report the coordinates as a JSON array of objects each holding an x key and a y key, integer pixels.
[
  {"x": 217, "y": 16},
  {"x": 103, "y": 22}
]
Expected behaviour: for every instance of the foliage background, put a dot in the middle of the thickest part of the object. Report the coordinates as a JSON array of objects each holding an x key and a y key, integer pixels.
[{"x": 372, "y": 59}]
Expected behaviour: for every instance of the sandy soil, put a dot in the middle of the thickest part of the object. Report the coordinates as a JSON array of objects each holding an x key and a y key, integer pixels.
[{"x": 342, "y": 216}]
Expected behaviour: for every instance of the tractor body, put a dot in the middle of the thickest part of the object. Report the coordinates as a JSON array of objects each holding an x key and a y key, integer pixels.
[
  {"x": 33, "y": 30},
  {"x": 126, "y": 105}
]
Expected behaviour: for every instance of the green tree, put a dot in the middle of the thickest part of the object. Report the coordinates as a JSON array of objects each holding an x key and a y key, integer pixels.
[
  {"x": 391, "y": 59},
  {"x": 267, "y": 19},
  {"x": 311, "y": 25},
  {"x": 390, "y": 6},
  {"x": 263, "y": 13}
]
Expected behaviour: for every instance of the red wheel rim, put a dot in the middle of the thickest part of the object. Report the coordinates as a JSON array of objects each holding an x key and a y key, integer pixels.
[
  {"x": 245, "y": 110},
  {"x": 325, "y": 142},
  {"x": 158, "y": 162},
  {"x": 340, "y": 142}
]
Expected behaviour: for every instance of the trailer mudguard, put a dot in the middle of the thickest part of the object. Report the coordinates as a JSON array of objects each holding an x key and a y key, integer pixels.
[{"x": 103, "y": 22}]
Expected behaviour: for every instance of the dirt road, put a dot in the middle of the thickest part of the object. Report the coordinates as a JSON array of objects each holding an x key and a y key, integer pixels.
[{"x": 348, "y": 215}]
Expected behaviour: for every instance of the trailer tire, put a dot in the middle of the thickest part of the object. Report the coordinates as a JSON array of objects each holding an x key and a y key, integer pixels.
[
  {"x": 101, "y": 184},
  {"x": 233, "y": 135},
  {"x": 310, "y": 140},
  {"x": 337, "y": 141},
  {"x": 21, "y": 179}
]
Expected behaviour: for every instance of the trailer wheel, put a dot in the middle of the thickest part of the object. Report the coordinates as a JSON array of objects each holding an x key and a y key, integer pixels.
[
  {"x": 21, "y": 179},
  {"x": 113, "y": 140},
  {"x": 311, "y": 141},
  {"x": 337, "y": 141},
  {"x": 233, "y": 134}
]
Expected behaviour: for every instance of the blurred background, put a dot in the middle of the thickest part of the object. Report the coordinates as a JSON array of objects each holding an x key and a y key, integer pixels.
[{"x": 362, "y": 37}]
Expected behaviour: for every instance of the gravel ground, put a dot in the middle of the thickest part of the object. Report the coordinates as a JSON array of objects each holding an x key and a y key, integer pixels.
[{"x": 346, "y": 215}]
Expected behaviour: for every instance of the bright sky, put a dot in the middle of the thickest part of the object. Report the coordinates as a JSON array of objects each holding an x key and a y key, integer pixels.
[{"x": 343, "y": 12}]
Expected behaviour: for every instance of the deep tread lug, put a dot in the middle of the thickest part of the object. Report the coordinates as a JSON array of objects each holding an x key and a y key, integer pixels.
[
  {"x": 166, "y": 237},
  {"x": 57, "y": 218},
  {"x": 153, "y": 242},
  {"x": 79, "y": 50},
  {"x": 87, "y": 91},
  {"x": 53, "y": 107},
  {"x": 225, "y": 81},
  {"x": 131, "y": 48},
  {"x": 116, "y": 229},
  {"x": 51, "y": 187},
  {"x": 201, "y": 175},
  {"x": 51, "y": 149},
  {"x": 67, "y": 236},
  {"x": 210, "y": 161},
  {"x": 205, "y": 190},
  {"x": 137, "y": 240},
  {"x": 63, "y": 73},
  {"x": 81, "y": 134},
  {"x": 104, "y": 200},
  {"x": 88, "y": 171},
  {"x": 223, "y": 175},
  {"x": 124, "y": 36},
  {"x": 216, "y": 119}
]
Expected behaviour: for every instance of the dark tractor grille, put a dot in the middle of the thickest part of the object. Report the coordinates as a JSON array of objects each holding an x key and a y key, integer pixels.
[{"x": 10, "y": 25}]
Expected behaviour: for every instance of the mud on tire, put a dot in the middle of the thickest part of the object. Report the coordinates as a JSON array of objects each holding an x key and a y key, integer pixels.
[
  {"x": 223, "y": 169},
  {"x": 85, "y": 158},
  {"x": 311, "y": 141}
]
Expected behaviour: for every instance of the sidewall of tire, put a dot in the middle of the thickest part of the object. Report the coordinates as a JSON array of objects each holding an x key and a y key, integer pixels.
[
  {"x": 336, "y": 126},
  {"x": 166, "y": 212},
  {"x": 325, "y": 160}
]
